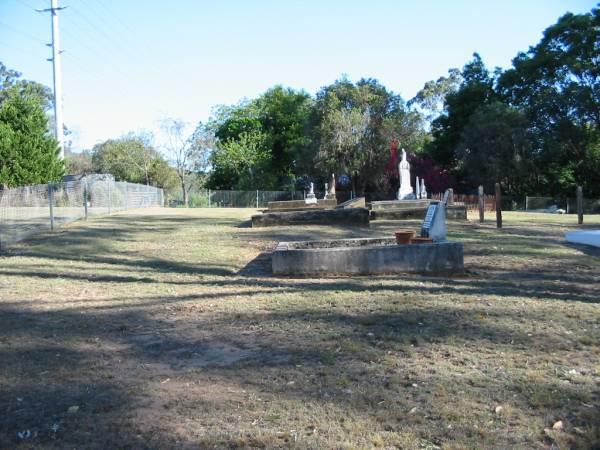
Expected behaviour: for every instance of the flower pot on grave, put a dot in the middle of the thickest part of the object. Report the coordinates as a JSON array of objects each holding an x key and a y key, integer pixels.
[{"x": 404, "y": 236}]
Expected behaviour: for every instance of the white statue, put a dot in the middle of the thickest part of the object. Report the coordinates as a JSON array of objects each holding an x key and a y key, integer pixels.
[
  {"x": 406, "y": 191},
  {"x": 332, "y": 186},
  {"x": 326, "y": 191},
  {"x": 423, "y": 191},
  {"x": 418, "y": 188},
  {"x": 312, "y": 188}
]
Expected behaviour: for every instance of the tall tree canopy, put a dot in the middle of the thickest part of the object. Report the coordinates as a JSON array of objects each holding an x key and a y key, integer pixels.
[
  {"x": 260, "y": 143},
  {"x": 355, "y": 124},
  {"x": 557, "y": 86}
]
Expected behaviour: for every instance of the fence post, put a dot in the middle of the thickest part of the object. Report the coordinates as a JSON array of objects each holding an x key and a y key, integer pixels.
[
  {"x": 50, "y": 202},
  {"x": 579, "y": 205},
  {"x": 209, "y": 198},
  {"x": 527, "y": 203},
  {"x": 481, "y": 204},
  {"x": 257, "y": 199},
  {"x": 109, "y": 198},
  {"x": 126, "y": 195},
  {"x": 85, "y": 199},
  {"x": 498, "y": 206}
]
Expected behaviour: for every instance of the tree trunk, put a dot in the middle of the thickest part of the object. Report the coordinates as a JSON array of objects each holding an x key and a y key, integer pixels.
[{"x": 184, "y": 192}]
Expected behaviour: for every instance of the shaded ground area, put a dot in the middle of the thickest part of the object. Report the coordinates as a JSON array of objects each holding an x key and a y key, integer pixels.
[{"x": 165, "y": 329}]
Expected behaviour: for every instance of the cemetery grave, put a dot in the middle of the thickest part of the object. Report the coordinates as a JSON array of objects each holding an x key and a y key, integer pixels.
[
  {"x": 165, "y": 328},
  {"x": 375, "y": 255}
]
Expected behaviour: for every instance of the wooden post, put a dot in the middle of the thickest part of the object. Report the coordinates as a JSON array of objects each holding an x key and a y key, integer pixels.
[
  {"x": 481, "y": 204},
  {"x": 109, "y": 198},
  {"x": 498, "y": 206},
  {"x": 85, "y": 199},
  {"x": 50, "y": 203},
  {"x": 579, "y": 205}
]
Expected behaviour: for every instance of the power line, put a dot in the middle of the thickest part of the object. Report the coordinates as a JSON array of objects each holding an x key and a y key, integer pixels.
[
  {"x": 118, "y": 45},
  {"x": 29, "y": 36}
]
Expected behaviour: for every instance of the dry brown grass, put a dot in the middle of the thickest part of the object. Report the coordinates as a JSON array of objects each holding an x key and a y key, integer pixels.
[{"x": 166, "y": 330}]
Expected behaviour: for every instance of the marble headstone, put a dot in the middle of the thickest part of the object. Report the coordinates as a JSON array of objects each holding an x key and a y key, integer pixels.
[{"x": 434, "y": 224}]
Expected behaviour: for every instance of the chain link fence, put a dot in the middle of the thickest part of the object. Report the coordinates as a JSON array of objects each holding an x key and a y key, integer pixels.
[
  {"x": 568, "y": 205},
  {"x": 28, "y": 210}
]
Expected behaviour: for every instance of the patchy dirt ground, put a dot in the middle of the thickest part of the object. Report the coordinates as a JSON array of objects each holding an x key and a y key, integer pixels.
[{"x": 165, "y": 329}]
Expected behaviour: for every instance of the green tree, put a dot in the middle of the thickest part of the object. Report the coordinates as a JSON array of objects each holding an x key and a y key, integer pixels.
[
  {"x": 430, "y": 99},
  {"x": 132, "y": 158},
  {"x": 557, "y": 85},
  {"x": 354, "y": 126},
  {"x": 495, "y": 147},
  {"x": 475, "y": 91},
  {"x": 278, "y": 121},
  {"x": 245, "y": 160},
  {"x": 28, "y": 153}
]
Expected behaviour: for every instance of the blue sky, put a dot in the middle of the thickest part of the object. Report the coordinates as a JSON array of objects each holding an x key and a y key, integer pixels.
[{"x": 129, "y": 63}]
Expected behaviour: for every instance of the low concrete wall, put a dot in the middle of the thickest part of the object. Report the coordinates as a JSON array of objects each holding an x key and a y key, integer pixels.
[
  {"x": 399, "y": 204},
  {"x": 453, "y": 212},
  {"x": 300, "y": 204},
  {"x": 350, "y": 216},
  {"x": 366, "y": 256}
]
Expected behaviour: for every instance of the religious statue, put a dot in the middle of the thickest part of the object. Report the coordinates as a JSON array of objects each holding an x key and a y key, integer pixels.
[
  {"x": 406, "y": 191},
  {"x": 423, "y": 191},
  {"x": 311, "y": 197}
]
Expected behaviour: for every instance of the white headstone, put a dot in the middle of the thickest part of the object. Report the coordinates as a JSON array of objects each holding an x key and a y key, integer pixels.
[
  {"x": 434, "y": 224},
  {"x": 423, "y": 190},
  {"x": 418, "y": 188},
  {"x": 406, "y": 191}
]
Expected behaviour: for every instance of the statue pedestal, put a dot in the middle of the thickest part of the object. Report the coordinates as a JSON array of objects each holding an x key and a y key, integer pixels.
[
  {"x": 310, "y": 199},
  {"x": 406, "y": 194}
]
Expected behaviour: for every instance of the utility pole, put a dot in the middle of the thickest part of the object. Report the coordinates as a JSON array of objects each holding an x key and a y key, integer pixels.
[{"x": 57, "y": 73}]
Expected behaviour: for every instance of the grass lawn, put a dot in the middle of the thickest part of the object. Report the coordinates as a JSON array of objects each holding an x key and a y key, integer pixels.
[{"x": 165, "y": 329}]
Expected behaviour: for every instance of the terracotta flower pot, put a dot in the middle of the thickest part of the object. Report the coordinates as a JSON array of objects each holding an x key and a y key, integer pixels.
[
  {"x": 421, "y": 240},
  {"x": 404, "y": 236}
]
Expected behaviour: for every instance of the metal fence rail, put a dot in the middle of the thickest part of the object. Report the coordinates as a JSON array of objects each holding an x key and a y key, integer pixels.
[{"x": 28, "y": 210}]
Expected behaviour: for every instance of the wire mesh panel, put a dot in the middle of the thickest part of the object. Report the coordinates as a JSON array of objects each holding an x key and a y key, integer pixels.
[
  {"x": 67, "y": 202},
  {"x": 28, "y": 210},
  {"x": 23, "y": 211}
]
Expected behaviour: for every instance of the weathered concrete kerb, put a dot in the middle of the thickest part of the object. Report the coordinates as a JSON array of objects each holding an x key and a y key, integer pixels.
[
  {"x": 366, "y": 256},
  {"x": 352, "y": 216}
]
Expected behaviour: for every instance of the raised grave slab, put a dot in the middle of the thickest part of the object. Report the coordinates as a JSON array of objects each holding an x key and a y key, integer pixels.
[
  {"x": 453, "y": 212},
  {"x": 399, "y": 204},
  {"x": 366, "y": 256},
  {"x": 356, "y": 202},
  {"x": 300, "y": 204},
  {"x": 349, "y": 216},
  {"x": 591, "y": 237}
]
